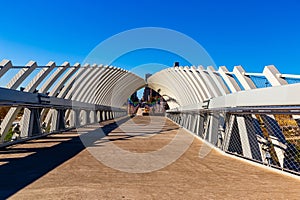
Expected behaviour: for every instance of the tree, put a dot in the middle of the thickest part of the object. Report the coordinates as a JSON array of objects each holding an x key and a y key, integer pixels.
[{"x": 3, "y": 111}]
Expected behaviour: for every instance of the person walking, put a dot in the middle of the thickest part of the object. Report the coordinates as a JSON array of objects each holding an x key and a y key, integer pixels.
[{"x": 268, "y": 158}]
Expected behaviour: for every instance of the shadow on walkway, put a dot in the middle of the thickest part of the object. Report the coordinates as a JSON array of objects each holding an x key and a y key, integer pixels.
[{"x": 20, "y": 172}]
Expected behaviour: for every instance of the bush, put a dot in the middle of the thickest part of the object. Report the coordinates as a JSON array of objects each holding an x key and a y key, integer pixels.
[{"x": 9, "y": 135}]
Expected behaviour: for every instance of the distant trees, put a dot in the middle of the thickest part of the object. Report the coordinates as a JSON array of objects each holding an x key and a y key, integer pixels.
[{"x": 3, "y": 111}]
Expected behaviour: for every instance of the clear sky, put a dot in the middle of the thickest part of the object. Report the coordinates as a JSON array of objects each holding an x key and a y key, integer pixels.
[{"x": 250, "y": 33}]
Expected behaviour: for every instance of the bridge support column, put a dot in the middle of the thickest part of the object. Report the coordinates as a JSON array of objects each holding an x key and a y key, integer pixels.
[
  {"x": 93, "y": 116},
  {"x": 181, "y": 120},
  {"x": 177, "y": 118},
  {"x": 200, "y": 125},
  {"x": 212, "y": 129},
  {"x": 7, "y": 121},
  {"x": 188, "y": 121},
  {"x": 193, "y": 123},
  {"x": 30, "y": 123},
  {"x": 98, "y": 114},
  {"x": 85, "y": 116},
  {"x": 195, "y": 120},
  {"x": 75, "y": 118},
  {"x": 101, "y": 119},
  {"x": 105, "y": 115},
  {"x": 109, "y": 115},
  {"x": 58, "y": 120}
]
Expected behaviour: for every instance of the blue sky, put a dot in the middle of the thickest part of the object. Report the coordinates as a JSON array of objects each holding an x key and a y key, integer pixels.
[{"x": 250, "y": 33}]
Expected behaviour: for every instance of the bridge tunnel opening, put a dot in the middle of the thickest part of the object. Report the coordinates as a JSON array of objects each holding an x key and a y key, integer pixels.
[{"x": 145, "y": 102}]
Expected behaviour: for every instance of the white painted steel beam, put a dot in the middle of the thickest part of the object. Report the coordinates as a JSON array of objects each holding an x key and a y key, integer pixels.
[
  {"x": 245, "y": 80},
  {"x": 5, "y": 65},
  {"x": 229, "y": 79},
  {"x": 272, "y": 96},
  {"x": 273, "y": 76}
]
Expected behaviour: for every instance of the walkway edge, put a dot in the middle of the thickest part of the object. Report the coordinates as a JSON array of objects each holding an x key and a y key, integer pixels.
[{"x": 239, "y": 158}]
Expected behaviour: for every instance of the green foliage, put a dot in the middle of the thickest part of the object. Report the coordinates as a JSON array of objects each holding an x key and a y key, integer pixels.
[{"x": 9, "y": 135}]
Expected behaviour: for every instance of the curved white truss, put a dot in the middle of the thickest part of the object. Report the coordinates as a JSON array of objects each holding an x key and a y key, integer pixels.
[
  {"x": 94, "y": 85},
  {"x": 191, "y": 86},
  {"x": 224, "y": 108},
  {"x": 209, "y": 102}
]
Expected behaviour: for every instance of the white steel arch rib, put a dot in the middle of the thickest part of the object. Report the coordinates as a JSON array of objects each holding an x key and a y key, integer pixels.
[
  {"x": 31, "y": 87},
  {"x": 104, "y": 81},
  {"x": 6, "y": 65},
  {"x": 107, "y": 94},
  {"x": 79, "y": 81},
  {"x": 204, "y": 87},
  {"x": 111, "y": 86},
  {"x": 210, "y": 84},
  {"x": 83, "y": 81},
  {"x": 90, "y": 87},
  {"x": 108, "y": 85},
  {"x": 88, "y": 84},
  {"x": 191, "y": 86},
  {"x": 187, "y": 75},
  {"x": 218, "y": 81},
  {"x": 179, "y": 85},
  {"x": 100, "y": 82},
  {"x": 58, "y": 87}
]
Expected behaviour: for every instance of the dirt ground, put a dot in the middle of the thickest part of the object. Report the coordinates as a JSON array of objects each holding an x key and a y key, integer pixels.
[{"x": 61, "y": 167}]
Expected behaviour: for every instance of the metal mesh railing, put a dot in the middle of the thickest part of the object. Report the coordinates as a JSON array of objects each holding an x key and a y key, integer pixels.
[{"x": 269, "y": 139}]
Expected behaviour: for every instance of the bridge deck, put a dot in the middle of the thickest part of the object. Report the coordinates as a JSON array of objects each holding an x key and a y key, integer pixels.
[{"x": 59, "y": 167}]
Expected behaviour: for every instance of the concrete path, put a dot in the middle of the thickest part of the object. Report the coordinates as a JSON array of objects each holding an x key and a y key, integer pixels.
[{"x": 61, "y": 167}]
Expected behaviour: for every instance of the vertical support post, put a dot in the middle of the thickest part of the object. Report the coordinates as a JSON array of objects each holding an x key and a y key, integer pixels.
[
  {"x": 100, "y": 115},
  {"x": 75, "y": 118},
  {"x": 105, "y": 115},
  {"x": 30, "y": 124},
  {"x": 58, "y": 120},
  {"x": 212, "y": 136},
  {"x": 85, "y": 117}
]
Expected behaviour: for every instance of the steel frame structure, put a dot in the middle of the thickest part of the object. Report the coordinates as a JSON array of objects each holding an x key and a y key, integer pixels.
[
  {"x": 222, "y": 107},
  {"x": 64, "y": 96}
]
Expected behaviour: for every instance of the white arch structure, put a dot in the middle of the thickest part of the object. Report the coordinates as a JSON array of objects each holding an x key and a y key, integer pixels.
[
  {"x": 234, "y": 111},
  {"x": 76, "y": 95},
  {"x": 191, "y": 86}
]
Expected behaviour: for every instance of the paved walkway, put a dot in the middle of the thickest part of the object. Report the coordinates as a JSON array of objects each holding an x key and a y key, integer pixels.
[{"x": 60, "y": 167}]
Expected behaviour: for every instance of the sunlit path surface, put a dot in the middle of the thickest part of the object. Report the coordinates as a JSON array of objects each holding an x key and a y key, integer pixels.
[{"x": 60, "y": 167}]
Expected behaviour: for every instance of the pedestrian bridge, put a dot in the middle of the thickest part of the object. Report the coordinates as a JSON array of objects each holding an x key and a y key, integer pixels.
[{"x": 253, "y": 117}]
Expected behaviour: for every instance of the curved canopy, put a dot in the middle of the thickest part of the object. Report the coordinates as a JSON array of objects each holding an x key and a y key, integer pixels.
[
  {"x": 96, "y": 84},
  {"x": 189, "y": 87}
]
